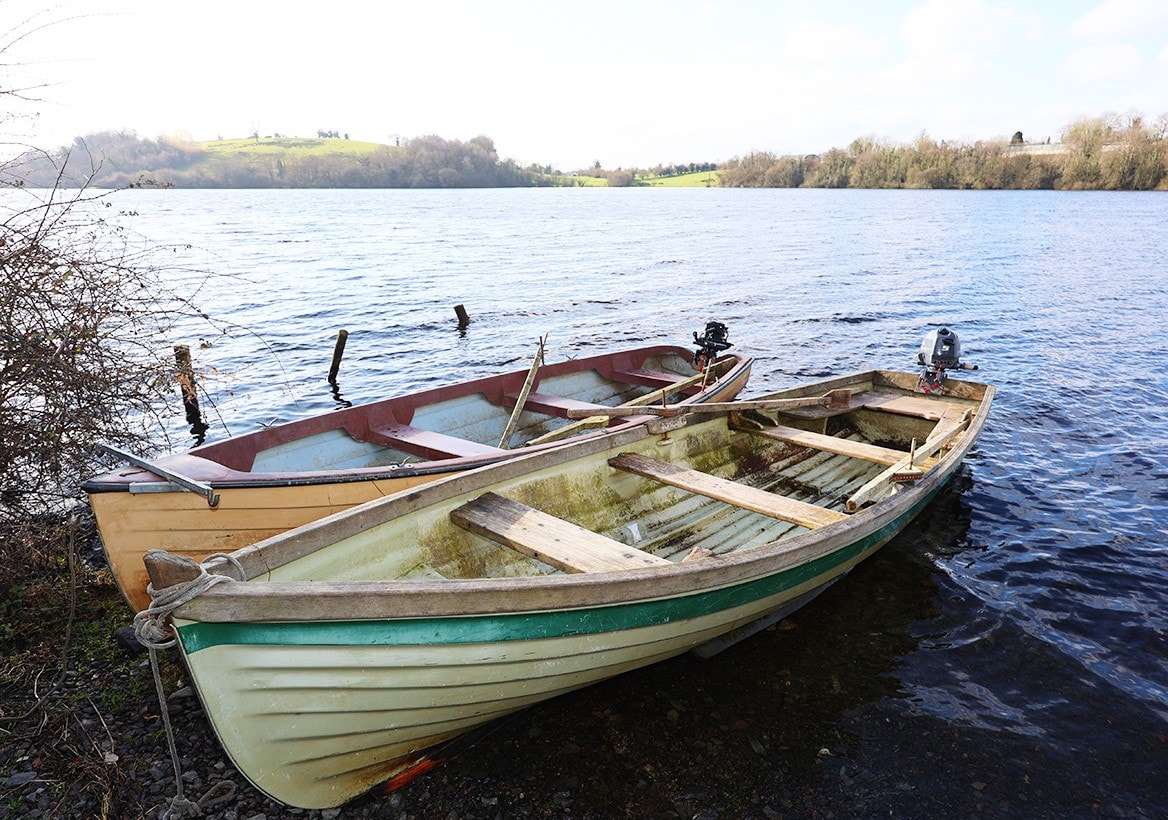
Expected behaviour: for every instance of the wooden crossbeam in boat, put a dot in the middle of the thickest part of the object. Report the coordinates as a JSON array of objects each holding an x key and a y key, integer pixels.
[
  {"x": 552, "y": 405},
  {"x": 552, "y": 540},
  {"x": 731, "y": 492},
  {"x": 830, "y": 444},
  {"x": 648, "y": 378},
  {"x": 917, "y": 406},
  {"x": 428, "y": 443}
]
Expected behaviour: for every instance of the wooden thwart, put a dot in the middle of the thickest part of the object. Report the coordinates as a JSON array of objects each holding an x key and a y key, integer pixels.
[
  {"x": 552, "y": 540},
  {"x": 731, "y": 492},
  {"x": 902, "y": 405},
  {"x": 829, "y": 444},
  {"x": 552, "y": 405},
  {"x": 428, "y": 443},
  {"x": 649, "y": 378}
]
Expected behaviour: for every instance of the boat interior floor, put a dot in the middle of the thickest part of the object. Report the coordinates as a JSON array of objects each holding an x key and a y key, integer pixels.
[{"x": 809, "y": 480}]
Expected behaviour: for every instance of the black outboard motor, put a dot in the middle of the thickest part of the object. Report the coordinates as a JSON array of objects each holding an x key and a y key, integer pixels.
[
  {"x": 710, "y": 344},
  {"x": 940, "y": 351}
]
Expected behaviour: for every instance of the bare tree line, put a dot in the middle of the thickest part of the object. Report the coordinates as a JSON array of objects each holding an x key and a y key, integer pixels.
[
  {"x": 119, "y": 159},
  {"x": 1101, "y": 153}
]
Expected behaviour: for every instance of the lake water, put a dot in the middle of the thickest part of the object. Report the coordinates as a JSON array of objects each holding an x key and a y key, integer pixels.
[{"x": 1007, "y": 655}]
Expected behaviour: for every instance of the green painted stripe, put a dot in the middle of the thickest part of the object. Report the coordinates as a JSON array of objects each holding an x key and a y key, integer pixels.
[{"x": 527, "y": 625}]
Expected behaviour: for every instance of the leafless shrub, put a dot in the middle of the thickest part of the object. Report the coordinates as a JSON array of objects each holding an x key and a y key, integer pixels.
[{"x": 84, "y": 314}]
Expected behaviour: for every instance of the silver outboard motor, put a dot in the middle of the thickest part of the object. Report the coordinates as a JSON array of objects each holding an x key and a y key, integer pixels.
[{"x": 940, "y": 351}]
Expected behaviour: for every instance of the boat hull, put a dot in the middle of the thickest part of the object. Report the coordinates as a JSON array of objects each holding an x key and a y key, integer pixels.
[
  {"x": 321, "y": 689},
  {"x": 136, "y": 511}
]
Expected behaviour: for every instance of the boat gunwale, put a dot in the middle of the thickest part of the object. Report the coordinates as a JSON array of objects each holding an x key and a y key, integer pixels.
[{"x": 291, "y": 601}]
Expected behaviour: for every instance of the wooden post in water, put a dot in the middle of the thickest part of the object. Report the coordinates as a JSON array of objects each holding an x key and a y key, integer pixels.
[
  {"x": 186, "y": 383},
  {"x": 338, "y": 352},
  {"x": 463, "y": 317}
]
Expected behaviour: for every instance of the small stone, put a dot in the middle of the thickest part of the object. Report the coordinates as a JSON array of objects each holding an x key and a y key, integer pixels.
[
  {"x": 19, "y": 779},
  {"x": 127, "y": 639}
]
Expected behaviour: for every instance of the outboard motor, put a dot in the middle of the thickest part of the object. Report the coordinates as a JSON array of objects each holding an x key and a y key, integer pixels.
[
  {"x": 710, "y": 344},
  {"x": 940, "y": 351}
]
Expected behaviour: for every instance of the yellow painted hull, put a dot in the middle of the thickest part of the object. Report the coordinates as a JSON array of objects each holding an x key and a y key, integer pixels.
[{"x": 182, "y": 523}]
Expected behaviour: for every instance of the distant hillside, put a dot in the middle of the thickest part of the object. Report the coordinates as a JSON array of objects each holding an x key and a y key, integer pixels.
[{"x": 120, "y": 159}]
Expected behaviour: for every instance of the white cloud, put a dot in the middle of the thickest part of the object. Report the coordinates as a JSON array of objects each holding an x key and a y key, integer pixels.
[
  {"x": 948, "y": 26},
  {"x": 815, "y": 42},
  {"x": 1121, "y": 19},
  {"x": 1107, "y": 62}
]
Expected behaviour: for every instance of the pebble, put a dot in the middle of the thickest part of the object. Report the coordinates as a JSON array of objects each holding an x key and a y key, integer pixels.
[{"x": 19, "y": 779}]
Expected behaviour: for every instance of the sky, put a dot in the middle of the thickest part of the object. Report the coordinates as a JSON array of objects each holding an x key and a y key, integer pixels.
[{"x": 627, "y": 83}]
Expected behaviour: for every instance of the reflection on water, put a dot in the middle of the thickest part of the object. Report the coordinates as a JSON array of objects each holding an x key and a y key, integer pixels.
[{"x": 1006, "y": 655}]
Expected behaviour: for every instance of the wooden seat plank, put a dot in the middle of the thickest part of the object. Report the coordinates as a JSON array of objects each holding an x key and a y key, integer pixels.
[
  {"x": 552, "y": 540},
  {"x": 429, "y": 444},
  {"x": 648, "y": 378},
  {"x": 830, "y": 444},
  {"x": 552, "y": 405},
  {"x": 731, "y": 492},
  {"x": 918, "y": 406}
]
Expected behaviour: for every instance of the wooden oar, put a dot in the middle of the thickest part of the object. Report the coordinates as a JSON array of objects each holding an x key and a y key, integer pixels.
[
  {"x": 836, "y": 398},
  {"x": 509, "y": 430}
]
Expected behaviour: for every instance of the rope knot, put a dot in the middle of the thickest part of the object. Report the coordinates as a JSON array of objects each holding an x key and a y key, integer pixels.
[{"x": 150, "y": 627}]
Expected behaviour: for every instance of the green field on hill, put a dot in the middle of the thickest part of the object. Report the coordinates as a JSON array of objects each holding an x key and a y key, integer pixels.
[
  {"x": 294, "y": 146},
  {"x": 700, "y": 179}
]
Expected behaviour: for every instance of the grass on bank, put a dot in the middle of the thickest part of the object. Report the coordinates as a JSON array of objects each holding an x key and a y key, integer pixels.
[
  {"x": 699, "y": 179},
  {"x": 294, "y": 147}
]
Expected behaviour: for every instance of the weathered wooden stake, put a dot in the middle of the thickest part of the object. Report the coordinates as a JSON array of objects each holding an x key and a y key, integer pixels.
[
  {"x": 186, "y": 383},
  {"x": 463, "y": 317},
  {"x": 338, "y": 352}
]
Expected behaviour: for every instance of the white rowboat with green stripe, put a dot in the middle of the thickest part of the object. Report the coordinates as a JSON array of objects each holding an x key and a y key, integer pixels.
[{"x": 351, "y": 647}]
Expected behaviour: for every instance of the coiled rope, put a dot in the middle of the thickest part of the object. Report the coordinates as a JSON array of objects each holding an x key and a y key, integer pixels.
[{"x": 152, "y": 631}]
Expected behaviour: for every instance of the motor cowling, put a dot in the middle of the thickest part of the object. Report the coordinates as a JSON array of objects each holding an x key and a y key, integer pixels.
[
  {"x": 940, "y": 351},
  {"x": 713, "y": 341}
]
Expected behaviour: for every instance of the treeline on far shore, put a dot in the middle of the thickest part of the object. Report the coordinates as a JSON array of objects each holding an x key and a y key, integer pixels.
[
  {"x": 120, "y": 159},
  {"x": 1103, "y": 153},
  {"x": 1100, "y": 154}
]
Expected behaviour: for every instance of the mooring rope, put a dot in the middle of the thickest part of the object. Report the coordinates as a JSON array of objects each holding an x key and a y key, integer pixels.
[
  {"x": 151, "y": 630},
  {"x": 150, "y": 624}
]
